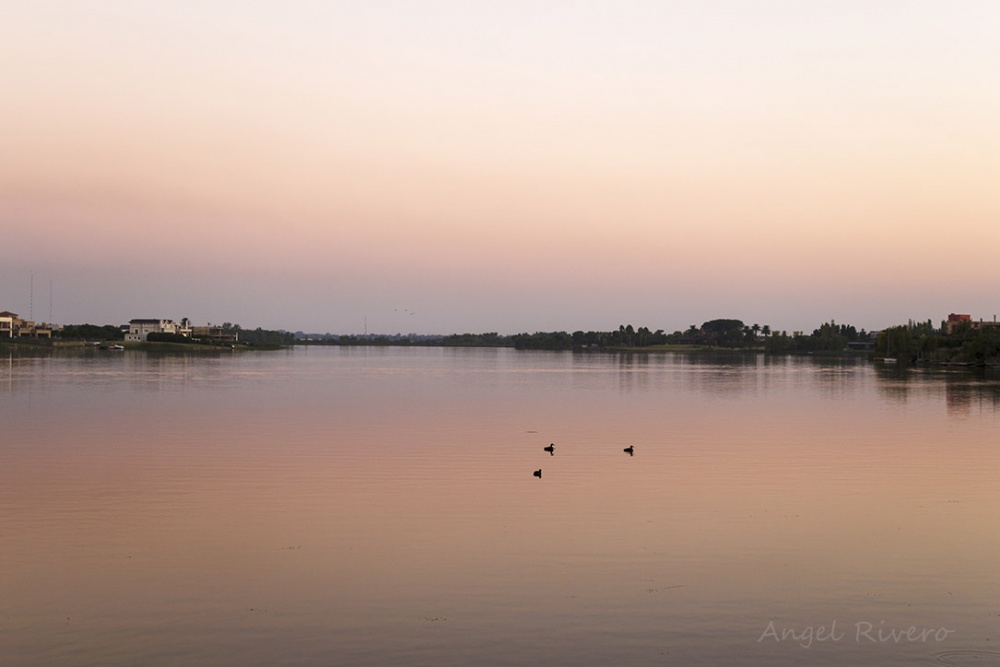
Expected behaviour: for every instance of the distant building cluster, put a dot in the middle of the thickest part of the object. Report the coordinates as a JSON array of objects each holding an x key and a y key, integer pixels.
[
  {"x": 956, "y": 319},
  {"x": 12, "y": 326},
  {"x": 139, "y": 330}
]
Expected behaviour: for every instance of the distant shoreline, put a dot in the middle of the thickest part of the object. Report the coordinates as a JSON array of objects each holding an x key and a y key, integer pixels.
[{"x": 131, "y": 346}]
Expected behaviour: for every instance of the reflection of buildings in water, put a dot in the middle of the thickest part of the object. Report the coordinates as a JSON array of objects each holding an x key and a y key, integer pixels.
[{"x": 169, "y": 370}]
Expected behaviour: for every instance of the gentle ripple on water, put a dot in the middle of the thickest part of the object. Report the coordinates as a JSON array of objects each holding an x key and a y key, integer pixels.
[{"x": 377, "y": 506}]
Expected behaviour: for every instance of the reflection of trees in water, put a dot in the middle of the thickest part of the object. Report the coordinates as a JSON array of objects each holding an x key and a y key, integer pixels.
[
  {"x": 977, "y": 391},
  {"x": 837, "y": 377},
  {"x": 715, "y": 372},
  {"x": 631, "y": 369},
  {"x": 892, "y": 383},
  {"x": 963, "y": 389},
  {"x": 723, "y": 374},
  {"x": 731, "y": 374}
]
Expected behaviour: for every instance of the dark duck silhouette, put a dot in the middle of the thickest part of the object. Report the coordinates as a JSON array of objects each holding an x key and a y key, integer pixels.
[
  {"x": 550, "y": 449},
  {"x": 538, "y": 473},
  {"x": 629, "y": 450}
]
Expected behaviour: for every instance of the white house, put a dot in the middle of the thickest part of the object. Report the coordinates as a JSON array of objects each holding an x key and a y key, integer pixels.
[{"x": 140, "y": 329}]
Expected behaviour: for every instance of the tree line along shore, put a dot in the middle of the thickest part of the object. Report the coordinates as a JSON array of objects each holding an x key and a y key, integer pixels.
[
  {"x": 913, "y": 342},
  {"x": 967, "y": 343}
]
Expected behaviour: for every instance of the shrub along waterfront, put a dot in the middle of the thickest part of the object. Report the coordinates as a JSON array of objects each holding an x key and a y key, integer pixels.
[{"x": 89, "y": 332}]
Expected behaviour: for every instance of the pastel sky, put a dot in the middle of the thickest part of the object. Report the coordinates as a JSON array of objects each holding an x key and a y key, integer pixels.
[{"x": 449, "y": 166}]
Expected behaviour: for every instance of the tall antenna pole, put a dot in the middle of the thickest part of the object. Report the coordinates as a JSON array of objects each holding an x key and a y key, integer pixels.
[
  {"x": 31, "y": 297},
  {"x": 50, "y": 300}
]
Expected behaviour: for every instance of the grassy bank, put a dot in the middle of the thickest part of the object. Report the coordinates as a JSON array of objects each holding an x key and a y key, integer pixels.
[
  {"x": 25, "y": 343},
  {"x": 159, "y": 346}
]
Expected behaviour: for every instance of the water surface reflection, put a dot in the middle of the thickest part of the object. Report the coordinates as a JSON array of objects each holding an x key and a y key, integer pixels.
[{"x": 377, "y": 506}]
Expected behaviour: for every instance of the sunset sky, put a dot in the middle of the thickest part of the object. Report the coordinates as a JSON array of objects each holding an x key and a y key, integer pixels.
[{"x": 450, "y": 166}]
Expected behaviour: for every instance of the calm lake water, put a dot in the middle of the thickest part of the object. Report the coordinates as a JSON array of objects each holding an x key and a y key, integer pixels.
[{"x": 367, "y": 506}]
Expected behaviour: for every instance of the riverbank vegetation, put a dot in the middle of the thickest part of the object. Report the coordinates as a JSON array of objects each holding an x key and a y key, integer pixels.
[
  {"x": 970, "y": 344},
  {"x": 975, "y": 344},
  {"x": 730, "y": 334},
  {"x": 967, "y": 343},
  {"x": 89, "y": 332}
]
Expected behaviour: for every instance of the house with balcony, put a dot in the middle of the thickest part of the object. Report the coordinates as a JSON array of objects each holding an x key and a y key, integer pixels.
[
  {"x": 215, "y": 333},
  {"x": 139, "y": 330},
  {"x": 12, "y": 326}
]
